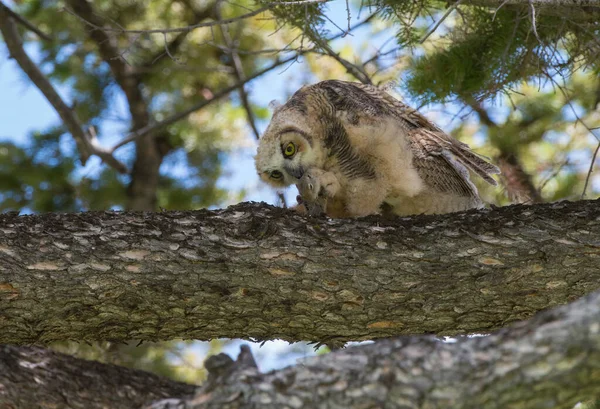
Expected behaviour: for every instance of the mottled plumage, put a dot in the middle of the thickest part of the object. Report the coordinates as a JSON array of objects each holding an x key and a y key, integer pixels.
[{"x": 353, "y": 149}]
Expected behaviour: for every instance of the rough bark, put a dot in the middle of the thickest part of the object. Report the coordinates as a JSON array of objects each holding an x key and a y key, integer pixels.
[
  {"x": 258, "y": 272},
  {"x": 552, "y": 361},
  {"x": 39, "y": 378}
]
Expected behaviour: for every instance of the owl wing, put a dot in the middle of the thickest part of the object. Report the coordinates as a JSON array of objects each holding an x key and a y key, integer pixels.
[
  {"x": 437, "y": 167},
  {"x": 440, "y": 160}
]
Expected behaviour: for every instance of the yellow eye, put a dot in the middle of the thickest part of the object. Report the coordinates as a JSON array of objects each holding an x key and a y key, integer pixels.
[{"x": 290, "y": 150}]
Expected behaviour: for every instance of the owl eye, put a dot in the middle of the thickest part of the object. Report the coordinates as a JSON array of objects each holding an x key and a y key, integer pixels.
[
  {"x": 290, "y": 150},
  {"x": 276, "y": 174}
]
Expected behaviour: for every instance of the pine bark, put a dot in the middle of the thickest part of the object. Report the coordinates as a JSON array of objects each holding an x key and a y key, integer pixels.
[
  {"x": 32, "y": 378},
  {"x": 257, "y": 272},
  {"x": 552, "y": 361}
]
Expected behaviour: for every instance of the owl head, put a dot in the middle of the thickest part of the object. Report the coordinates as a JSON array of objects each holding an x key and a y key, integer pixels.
[{"x": 290, "y": 145}]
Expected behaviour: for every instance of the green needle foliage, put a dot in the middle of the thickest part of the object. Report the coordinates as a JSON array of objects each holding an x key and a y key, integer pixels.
[{"x": 490, "y": 49}]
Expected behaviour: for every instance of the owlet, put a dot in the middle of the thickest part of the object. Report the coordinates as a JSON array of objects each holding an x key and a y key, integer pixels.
[{"x": 354, "y": 150}]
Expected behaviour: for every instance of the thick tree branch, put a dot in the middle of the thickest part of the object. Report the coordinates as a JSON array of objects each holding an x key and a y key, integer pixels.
[
  {"x": 86, "y": 144},
  {"x": 254, "y": 271},
  {"x": 39, "y": 378},
  {"x": 550, "y": 361}
]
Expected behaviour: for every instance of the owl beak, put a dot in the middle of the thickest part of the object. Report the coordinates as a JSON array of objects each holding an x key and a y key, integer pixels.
[{"x": 295, "y": 172}]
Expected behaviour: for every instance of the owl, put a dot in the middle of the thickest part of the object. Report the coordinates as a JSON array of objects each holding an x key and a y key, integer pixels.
[{"x": 354, "y": 150}]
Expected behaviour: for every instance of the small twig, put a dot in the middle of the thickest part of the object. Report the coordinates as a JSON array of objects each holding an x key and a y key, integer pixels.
[
  {"x": 553, "y": 175},
  {"x": 498, "y": 9},
  {"x": 344, "y": 32},
  {"x": 239, "y": 73},
  {"x": 175, "y": 59},
  {"x": 349, "y": 16},
  {"x": 25, "y": 23},
  {"x": 353, "y": 69},
  {"x": 533, "y": 23},
  {"x": 589, "y": 174},
  {"x": 590, "y": 130},
  {"x": 440, "y": 21}
]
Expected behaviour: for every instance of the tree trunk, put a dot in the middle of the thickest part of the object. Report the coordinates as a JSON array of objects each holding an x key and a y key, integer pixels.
[
  {"x": 257, "y": 272},
  {"x": 150, "y": 150},
  {"x": 39, "y": 378}
]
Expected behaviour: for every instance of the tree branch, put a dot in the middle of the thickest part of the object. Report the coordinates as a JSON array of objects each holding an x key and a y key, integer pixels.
[
  {"x": 40, "y": 378},
  {"x": 257, "y": 272},
  {"x": 149, "y": 155},
  {"x": 550, "y": 361},
  {"x": 518, "y": 183},
  {"x": 140, "y": 133},
  {"x": 86, "y": 144},
  {"x": 353, "y": 69},
  {"x": 25, "y": 23}
]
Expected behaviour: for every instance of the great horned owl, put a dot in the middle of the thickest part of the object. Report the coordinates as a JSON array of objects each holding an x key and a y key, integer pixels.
[{"x": 353, "y": 150}]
